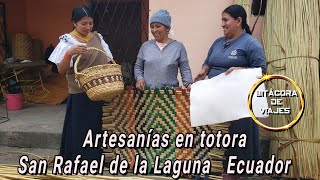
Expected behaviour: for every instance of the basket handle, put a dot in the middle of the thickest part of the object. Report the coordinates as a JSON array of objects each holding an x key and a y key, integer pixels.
[{"x": 90, "y": 48}]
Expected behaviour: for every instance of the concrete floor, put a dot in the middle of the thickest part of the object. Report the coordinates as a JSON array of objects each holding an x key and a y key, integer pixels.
[
  {"x": 35, "y": 126},
  {"x": 34, "y": 130},
  {"x": 36, "y": 117}
]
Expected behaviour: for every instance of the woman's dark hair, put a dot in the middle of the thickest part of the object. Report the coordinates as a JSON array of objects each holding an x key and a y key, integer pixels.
[
  {"x": 80, "y": 12},
  {"x": 236, "y": 11}
]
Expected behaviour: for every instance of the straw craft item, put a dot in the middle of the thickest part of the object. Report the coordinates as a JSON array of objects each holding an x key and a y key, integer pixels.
[
  {"x": 165, "y": 111},
  {"x": 291, "y": 42},
  {"x": 9, "y": 172},
  {"x": 100, "y": 82},
  {"x": 22, "y": 46},
  {"x": 246, "y": 4}
]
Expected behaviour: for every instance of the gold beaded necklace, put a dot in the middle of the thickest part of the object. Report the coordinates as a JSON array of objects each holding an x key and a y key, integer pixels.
[{"x": 80, "y": 37}]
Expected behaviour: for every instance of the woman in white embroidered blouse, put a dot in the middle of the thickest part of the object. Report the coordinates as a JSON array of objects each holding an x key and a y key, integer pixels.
[{"x": 82, "y": 114}]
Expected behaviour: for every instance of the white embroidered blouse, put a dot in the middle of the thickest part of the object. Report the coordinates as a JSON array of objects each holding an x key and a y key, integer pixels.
[{"x": 66, "y": 42}]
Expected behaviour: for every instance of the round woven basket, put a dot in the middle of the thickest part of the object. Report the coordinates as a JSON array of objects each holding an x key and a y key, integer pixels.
[
  {"x": 100, "y": 82},
  {"x": 22, "y": 46}
]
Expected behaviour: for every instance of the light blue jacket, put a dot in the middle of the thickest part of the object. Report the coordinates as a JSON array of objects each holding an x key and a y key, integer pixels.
[{"x": 159, "y": 68}]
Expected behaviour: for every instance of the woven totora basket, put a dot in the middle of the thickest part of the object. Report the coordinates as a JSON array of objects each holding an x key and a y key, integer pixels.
[
  {"x": 100, "y": 82},
  {"x": 22, "y": 46}
]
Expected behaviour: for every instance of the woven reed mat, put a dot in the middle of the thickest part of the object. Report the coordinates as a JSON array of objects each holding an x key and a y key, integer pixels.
[{"x": 166, "y": 111}]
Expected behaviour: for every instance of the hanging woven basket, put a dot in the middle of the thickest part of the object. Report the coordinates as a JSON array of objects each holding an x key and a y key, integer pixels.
[
  {"x": 100, "y": 82},
  {"x": 22, "y": 46}
]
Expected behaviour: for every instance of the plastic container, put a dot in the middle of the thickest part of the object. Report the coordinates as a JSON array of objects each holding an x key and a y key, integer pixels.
[{"x": 14, "y": 101}]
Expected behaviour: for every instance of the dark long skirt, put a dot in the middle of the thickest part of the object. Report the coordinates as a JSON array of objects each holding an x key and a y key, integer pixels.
[
  {"x": 82, "y": 114},
  {"x": 252, "y": 151}
]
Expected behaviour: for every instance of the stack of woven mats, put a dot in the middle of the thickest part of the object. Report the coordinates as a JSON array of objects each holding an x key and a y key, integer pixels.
[{"x": 166, "y": 111}]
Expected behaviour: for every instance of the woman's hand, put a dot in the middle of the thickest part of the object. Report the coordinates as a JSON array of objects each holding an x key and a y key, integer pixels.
[
  {"x": 64, "y": 65},
  {"x": 78, "y": 49},
  {"x": 141, "y": 84},
  {"x": 232, "y": 69},
  {"x": 202, "y": 74},
  {"x": 189, "y": 86}
]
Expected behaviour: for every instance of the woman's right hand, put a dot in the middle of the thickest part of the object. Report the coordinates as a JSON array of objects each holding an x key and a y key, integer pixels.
[
  {"x": 200, "y": 76},
  {"x": 141, "y": 84},
  {"x": 78, "y": 49}
]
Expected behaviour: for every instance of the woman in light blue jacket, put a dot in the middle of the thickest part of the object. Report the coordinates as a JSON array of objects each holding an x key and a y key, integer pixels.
[{"x": 159, "y": 59}]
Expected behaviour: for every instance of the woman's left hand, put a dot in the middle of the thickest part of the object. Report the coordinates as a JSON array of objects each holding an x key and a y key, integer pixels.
[
  {"x": 231, "y": 69},
  {"x": 189, "y": 86}
]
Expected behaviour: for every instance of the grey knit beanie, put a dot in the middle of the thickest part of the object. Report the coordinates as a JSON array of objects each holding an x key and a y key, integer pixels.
[{"x": 162, "y": 16}]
